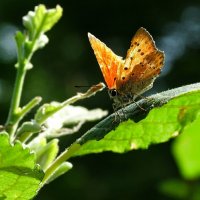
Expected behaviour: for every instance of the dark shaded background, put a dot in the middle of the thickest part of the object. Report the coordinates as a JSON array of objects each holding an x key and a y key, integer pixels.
[{"x": 68, "y": 61}]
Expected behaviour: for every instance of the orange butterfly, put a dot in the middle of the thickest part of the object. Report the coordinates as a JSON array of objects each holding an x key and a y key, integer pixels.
[{"x": 126, "y": 79}]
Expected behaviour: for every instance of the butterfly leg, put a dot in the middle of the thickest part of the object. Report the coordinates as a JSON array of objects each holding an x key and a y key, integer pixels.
[
  {"x": 139, "y": 106},
  {"x": 120, "y": 115},
  {"x": 152, "y": 101},
  {"x": 124, "y": 115},
  {"x": 117, "y": 115}
]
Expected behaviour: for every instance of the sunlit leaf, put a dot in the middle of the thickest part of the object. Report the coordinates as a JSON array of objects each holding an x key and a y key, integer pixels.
[
  {"x": 41, "y": 19},
  {"x": 28, "y": 128},
  {"x": 46, "y": 153},
  {"x": 63, "y": 168},
  {"x": 20, "y": 41},
  {"x": 46, "y": 111},
  {"x": 20, "y": 177},
  {"x": 186, "y": 149},
  {"x": 49, "y": 109},
  {"x": 71, "y": 118},
  {"x": 159, "y": 126},
  {"x": 38, "y": 22}
]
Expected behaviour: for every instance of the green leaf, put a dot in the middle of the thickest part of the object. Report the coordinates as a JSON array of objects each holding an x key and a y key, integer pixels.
[
  {"x": 49, "y": 109},
  {"x": 20, "y": 41},
  {"x": 186, "y": 149},
  {"x": 159, "y": 126},
  {"x": 63, "y": 168},
  {"x": 64, "y": 120},
  {"x": 27, "y": 129},
  {"x": 175, "y": 188},
  {"x": 46, "y": 154},
  {"x": 69, "y": 120},
  {"x": 180, "y": 189},
  {"x": 46, "y": 111},
  {"x": 41, "y": 20},
  {"x": 20, "y": 176}
]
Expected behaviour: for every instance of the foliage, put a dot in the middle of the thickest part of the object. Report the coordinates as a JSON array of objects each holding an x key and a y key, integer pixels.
[
  {"x": 159, "y": 126},
  {"x": 20, "y": 176},
  {"x": 29, "y": 150}
]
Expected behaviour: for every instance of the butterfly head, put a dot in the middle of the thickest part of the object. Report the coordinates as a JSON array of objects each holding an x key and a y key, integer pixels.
[
  {"x": 119, "y": 99},
  {"x": 113, "y": 93},
  {"x": 116, "y": 97}
]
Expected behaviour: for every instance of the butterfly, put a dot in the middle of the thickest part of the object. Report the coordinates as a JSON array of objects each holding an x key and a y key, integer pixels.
[{"x": 128, "y": 78}]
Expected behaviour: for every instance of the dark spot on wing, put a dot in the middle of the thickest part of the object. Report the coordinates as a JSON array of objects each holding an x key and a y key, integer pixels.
[{"x": 125, "y": 68}]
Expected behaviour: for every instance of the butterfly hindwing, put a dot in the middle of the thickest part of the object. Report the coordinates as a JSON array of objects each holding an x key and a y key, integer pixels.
[
  {"x": 142, "y": 65},
  {"x": 144, "y": 74},
  {"x": 141, "y": 44},
  {"x": 150, "y": 67}
]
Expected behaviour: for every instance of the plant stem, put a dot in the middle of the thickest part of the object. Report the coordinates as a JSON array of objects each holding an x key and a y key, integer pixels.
[
  {"x": 12, "y": 122},
  {"x": 14, "y": 115}
]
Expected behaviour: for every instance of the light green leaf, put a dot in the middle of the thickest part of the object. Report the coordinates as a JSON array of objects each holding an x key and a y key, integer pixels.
[
  {"x": 186, "y": 149},
  {"x": 69, "y": 120},
  {"x": 175, "y": 188},
  {"x": 46, "y": 154},
  {"x": 42, "y": 41},
  {"x": 27, "y": 128},
  {"x": 20, "y": 176},
  {"x": 41, "y": 19},
  {"x": 20, "y": 41},
  {"x": 159, "y": 126},
  {"x": 63, "y": 168},
  {"x": 47, "y": 110},
  {"x": 180, "y": 189}
]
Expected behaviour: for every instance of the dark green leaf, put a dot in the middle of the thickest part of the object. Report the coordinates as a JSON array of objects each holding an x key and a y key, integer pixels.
[{"x": 161, "y": 124}]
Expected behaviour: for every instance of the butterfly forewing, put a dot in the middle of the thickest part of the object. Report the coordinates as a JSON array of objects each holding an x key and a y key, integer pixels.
[{"x": 108, "y": 61}]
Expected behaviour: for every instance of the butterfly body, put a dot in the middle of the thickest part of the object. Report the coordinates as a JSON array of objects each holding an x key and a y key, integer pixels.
[{"x": 126, "y": 79}]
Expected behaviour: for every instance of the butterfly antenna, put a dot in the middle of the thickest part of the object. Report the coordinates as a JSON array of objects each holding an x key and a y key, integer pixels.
[
  {"x": 86, "y": 86},
  {"x": 80, "y": 86}
]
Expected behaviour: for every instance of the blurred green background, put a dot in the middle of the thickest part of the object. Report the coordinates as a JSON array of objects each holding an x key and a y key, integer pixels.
[{"x": 68, "y": 60}]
